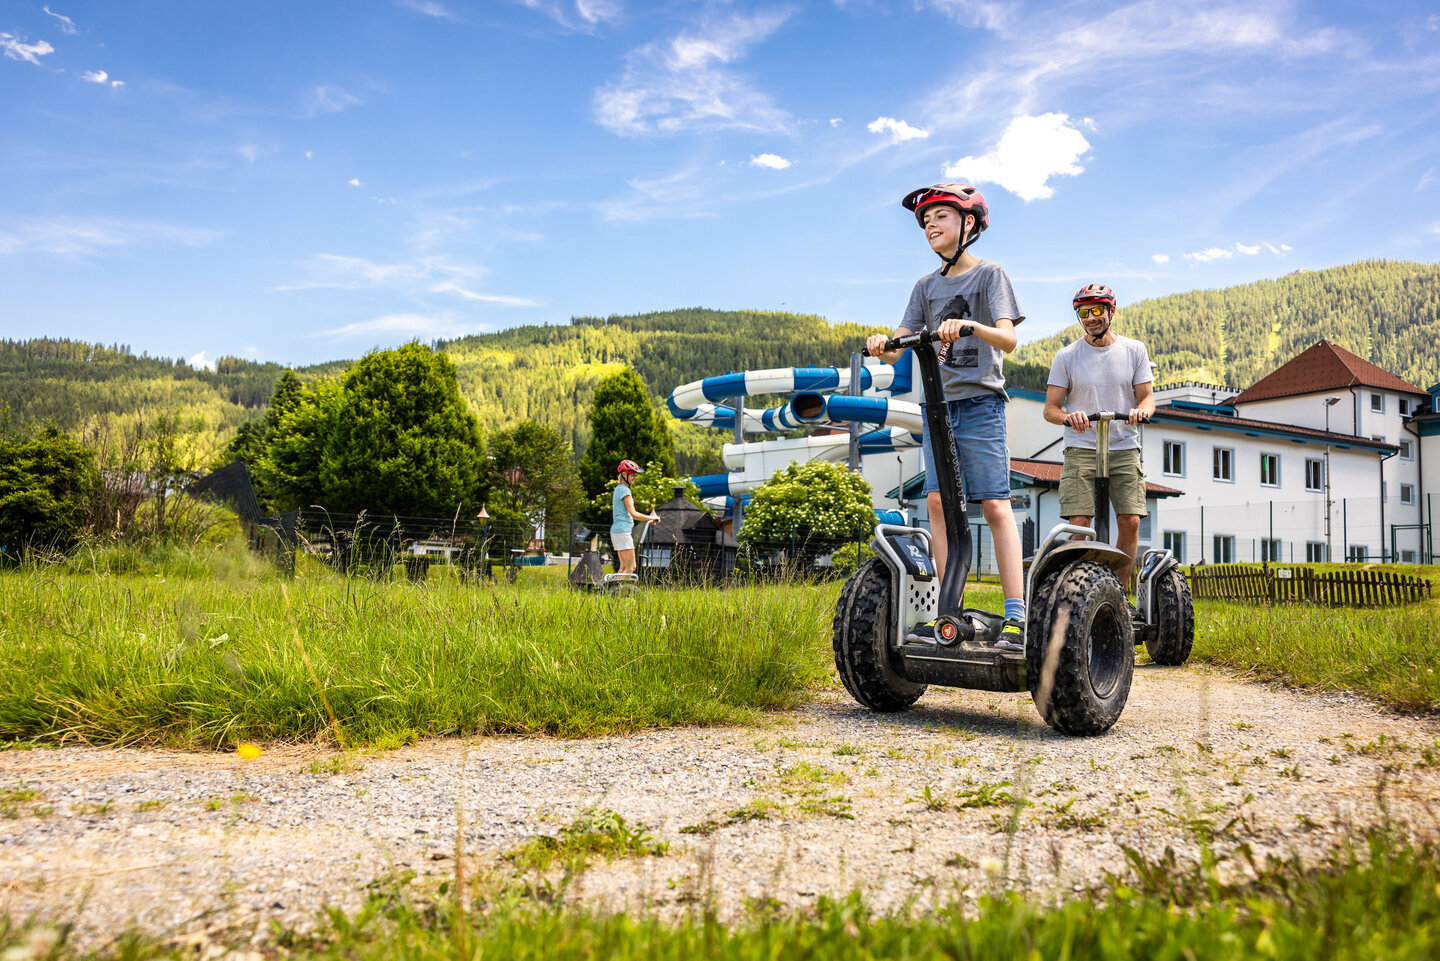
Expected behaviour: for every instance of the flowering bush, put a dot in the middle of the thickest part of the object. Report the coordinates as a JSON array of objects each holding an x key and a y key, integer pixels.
[{"x": 818, "y": 499}]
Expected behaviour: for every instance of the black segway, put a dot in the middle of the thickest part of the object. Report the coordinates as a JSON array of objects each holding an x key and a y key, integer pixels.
[
  {"x": 1078, "y": 659},
  {"x": 1164, "y": 613}
]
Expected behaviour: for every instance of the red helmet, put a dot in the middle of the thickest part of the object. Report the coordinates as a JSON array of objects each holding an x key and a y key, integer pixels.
[
  {"x": 962, "y": 197},
  {"x": 628, "y": 467},
  {"x": 1094, "y": 294}
]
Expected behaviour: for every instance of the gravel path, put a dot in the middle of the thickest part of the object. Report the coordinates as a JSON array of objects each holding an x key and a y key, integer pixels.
[{"x": 823, "y": 800}]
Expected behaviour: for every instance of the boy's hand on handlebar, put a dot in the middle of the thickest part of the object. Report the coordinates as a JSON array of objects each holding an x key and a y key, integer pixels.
[
  {"x": 1077, "y": 420},
  {"x": 952, "y": 330}
]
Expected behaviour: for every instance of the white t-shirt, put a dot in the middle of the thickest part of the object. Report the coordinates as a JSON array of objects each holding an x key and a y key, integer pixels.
[{"x": 1102, "y": 378}]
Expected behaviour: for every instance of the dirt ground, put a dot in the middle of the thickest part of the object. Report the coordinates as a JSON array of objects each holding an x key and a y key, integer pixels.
[{"x": 965, "y": 793}]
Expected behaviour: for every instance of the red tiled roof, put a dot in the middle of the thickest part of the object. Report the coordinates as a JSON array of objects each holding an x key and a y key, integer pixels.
[
  {"x": 1323, "y": 366},
  {"x": 1048, "y": 472}
]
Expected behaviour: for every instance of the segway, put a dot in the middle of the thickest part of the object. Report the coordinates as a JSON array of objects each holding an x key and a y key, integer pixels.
[
  {"x": 624, "y": 584},
  {"x": 1164, "y": 615},
  {"x": 1078, "y": 658}
]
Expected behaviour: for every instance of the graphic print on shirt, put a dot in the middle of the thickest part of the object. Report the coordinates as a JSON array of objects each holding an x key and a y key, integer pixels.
[{"x": 953, "y": 355}]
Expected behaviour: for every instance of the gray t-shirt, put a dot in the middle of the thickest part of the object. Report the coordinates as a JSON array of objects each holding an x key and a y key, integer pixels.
[
  {"x": 969, "y": 367},
  {"x": 1102, "y": 378}
]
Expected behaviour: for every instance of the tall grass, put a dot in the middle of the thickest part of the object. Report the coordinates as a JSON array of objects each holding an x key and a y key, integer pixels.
[
  {"x": 1392, "y": 655},
  {"x": 204, "y": 651}
]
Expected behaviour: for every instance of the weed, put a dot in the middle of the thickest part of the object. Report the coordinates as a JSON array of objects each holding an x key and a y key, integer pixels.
[
  {"x": 596, "y": 832},
  {"x": 1281, "y": 752},
  {"x": 97, "y": 810},
  {"x": 848, "y": 750},
  {"x": 11, "y": 800},
  {"x": 985, "y": 795},
  {"x": 1292, "y": 772},
  {"x": 156, "y": 805},
  {"x": 342, "y": 763},
  {"x": 932, "y": 802}
]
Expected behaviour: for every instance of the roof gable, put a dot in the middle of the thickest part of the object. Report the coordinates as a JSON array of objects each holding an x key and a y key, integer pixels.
[{"x": 1320, "y": 367}]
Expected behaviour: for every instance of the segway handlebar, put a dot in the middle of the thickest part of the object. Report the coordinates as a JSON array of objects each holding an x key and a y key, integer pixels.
[
  {"x": 925, "y": 336},
  {"x": 1109, "y": 415}
]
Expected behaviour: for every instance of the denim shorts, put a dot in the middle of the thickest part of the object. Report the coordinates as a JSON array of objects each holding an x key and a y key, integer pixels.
[{"x": 978, "y": 427}]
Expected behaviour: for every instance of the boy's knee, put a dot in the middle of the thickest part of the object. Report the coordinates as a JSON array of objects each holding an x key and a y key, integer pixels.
[{"x": 997, "y": 511}]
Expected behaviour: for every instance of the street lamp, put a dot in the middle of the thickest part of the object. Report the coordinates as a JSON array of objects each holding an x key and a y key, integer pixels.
[{"x": 1329, "y": 402}]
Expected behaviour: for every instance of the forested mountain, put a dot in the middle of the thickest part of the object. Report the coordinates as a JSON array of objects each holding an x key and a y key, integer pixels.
[{"x": 1387, "y": 312}]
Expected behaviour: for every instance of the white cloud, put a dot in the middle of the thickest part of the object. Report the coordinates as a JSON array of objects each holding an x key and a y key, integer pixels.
[
  {"x": 1209, "y": 254},
  {"x": 1425, "y": 180},
  {"x": 328, "y": 98},
  {"x": 450, "y": 287},
  {"x": 899, "y": 130},
  {"x": 429, "y": 9},
  {"x": 29, "y": 52},
  {"x": 773, "y": 161},
  {"x": 977, "y": 13},
  {"x": 1030, "y": 152},
  {"x": 1247, "y": 250},
  {"x": 835, "y": 121},
  {"x": 309, "y": 155},
  {"x": 79, "y": 238},
  {"x": 582, "y": 15},
  {"x": 201, "y": 361},
  {"x": 405, "y": 325},
  {"x": 67, "y": 26},
  {"x": 685, "y": 83},
  {"x": 353, "y": 181},
  {"x": 95, "y": 76},
  {"x": 1160, "y": 258},
  {"x": 1286, "y": 247}
]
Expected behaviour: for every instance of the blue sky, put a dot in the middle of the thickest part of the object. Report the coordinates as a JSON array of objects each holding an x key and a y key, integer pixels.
[{"x": 305, "y": 181}]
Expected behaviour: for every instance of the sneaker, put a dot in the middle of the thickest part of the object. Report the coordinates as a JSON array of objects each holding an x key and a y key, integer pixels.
[
  {"x": 1012, "y": 635},
  {"x": 924, "y": 633}
]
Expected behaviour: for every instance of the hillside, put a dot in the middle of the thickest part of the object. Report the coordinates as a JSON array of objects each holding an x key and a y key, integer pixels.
[
  {"x": 1385, "y": 311},
  {"x": 1388, "y": 312}
]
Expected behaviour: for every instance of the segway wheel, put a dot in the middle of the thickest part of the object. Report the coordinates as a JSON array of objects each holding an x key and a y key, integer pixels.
[
  {"x": 862, "y": 653},
  {"x": 1175, "y": 631},
  {"x": 1079, "y": 663}
]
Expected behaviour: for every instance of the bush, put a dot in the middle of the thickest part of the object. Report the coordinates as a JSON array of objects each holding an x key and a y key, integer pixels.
[{"x": 817, "y": 499}]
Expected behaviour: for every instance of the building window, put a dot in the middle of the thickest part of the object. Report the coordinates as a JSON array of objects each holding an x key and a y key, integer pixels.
[
  {"x": 1377, "y": 402},
  {"x": 1270, "y": 549},
  {"x": 1379, "y": 437},
  {"x": 1359, "y": 554},
  {"x": 1314, "y": 474},
  {"x": 1404, "y": 407},
  {"x": 1145, "y": 528},
  {"x": 1406, "y": 451},
  {"x": 1223, "y": 465},
  {"x": 1174, "y": 458},
  {"x": 1224, "y": 548},
  {"x": 1175, "y": 544},
  {"x": 1407, "y": 557},
  {"x": 1314, "y": 552},
  {"x": 1407, "y": 493},
  {"x": 1269, "y": 470},
  {"x": 1436, "y": 403}
]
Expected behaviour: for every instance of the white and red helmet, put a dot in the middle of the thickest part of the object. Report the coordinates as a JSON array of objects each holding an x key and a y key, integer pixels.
[
  {"x": 1094, "y": 294},
  {"x": 962, "y": 197},
  {"x": 628, "y": 467}
]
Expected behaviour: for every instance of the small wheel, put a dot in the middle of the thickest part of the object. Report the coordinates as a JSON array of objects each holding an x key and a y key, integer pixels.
[
  {"x": 1082, "y": 687},
  {"x": 861, "y": 638},
  {"x": 1175, "y": 633}
]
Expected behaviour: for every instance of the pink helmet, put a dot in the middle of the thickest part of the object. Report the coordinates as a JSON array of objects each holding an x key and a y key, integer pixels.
[
  {"x": 628, "y": 467},
  {"x": 962, "y": 197},
  {"x": 1094, "y": 294}
]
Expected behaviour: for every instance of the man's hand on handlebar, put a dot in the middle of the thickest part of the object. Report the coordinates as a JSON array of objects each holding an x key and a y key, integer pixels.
[
  {"x": 1137, "y": 414},
  {"x": 1077, "y": 420}
]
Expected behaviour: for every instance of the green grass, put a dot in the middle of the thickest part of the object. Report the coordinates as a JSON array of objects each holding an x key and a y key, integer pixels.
[
  {"x": 206, "y": 650},
  {"x": 1377, "y": 899},
  {"x": 1391, "y": 655}
]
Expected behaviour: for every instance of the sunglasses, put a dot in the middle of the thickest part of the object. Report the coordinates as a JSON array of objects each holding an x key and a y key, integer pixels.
[{"x": 1084, "y": 312}]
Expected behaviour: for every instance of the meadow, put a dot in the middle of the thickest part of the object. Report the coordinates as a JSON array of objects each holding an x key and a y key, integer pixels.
[{"x": 204, "y": 648}]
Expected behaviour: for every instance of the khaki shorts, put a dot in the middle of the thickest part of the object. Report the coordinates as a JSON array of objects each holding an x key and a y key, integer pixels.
[{"x": 1077, "y": 483}]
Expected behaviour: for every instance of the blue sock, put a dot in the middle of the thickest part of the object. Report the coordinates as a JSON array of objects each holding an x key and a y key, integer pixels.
[{"x": 1014, "y": 609}]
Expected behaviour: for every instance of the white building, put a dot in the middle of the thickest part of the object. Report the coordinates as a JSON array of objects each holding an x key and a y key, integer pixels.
[{"x": 1328, "y": 456}]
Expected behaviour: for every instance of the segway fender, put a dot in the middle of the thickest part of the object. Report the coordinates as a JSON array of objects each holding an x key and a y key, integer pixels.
[{"x": 1065, "y": 554}]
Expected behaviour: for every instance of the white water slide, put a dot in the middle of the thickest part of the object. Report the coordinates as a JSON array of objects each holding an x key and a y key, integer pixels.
[{"x": 821, "y": 396}]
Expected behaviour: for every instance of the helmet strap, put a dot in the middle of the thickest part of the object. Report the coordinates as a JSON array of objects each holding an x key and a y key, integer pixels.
[
  {"x": 1096, "y": 338},
  {"x": 965, "y": 241}
]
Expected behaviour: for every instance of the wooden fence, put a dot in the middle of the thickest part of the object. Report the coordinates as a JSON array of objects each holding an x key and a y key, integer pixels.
[{"x": 1302, "y": 585}]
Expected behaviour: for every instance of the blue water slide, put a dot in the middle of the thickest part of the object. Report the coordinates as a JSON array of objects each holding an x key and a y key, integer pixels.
[{"x": 701, "y": 402}]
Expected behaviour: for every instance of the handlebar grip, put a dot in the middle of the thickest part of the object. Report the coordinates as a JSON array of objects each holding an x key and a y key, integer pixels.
[{"x": 926, "y": 336}]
